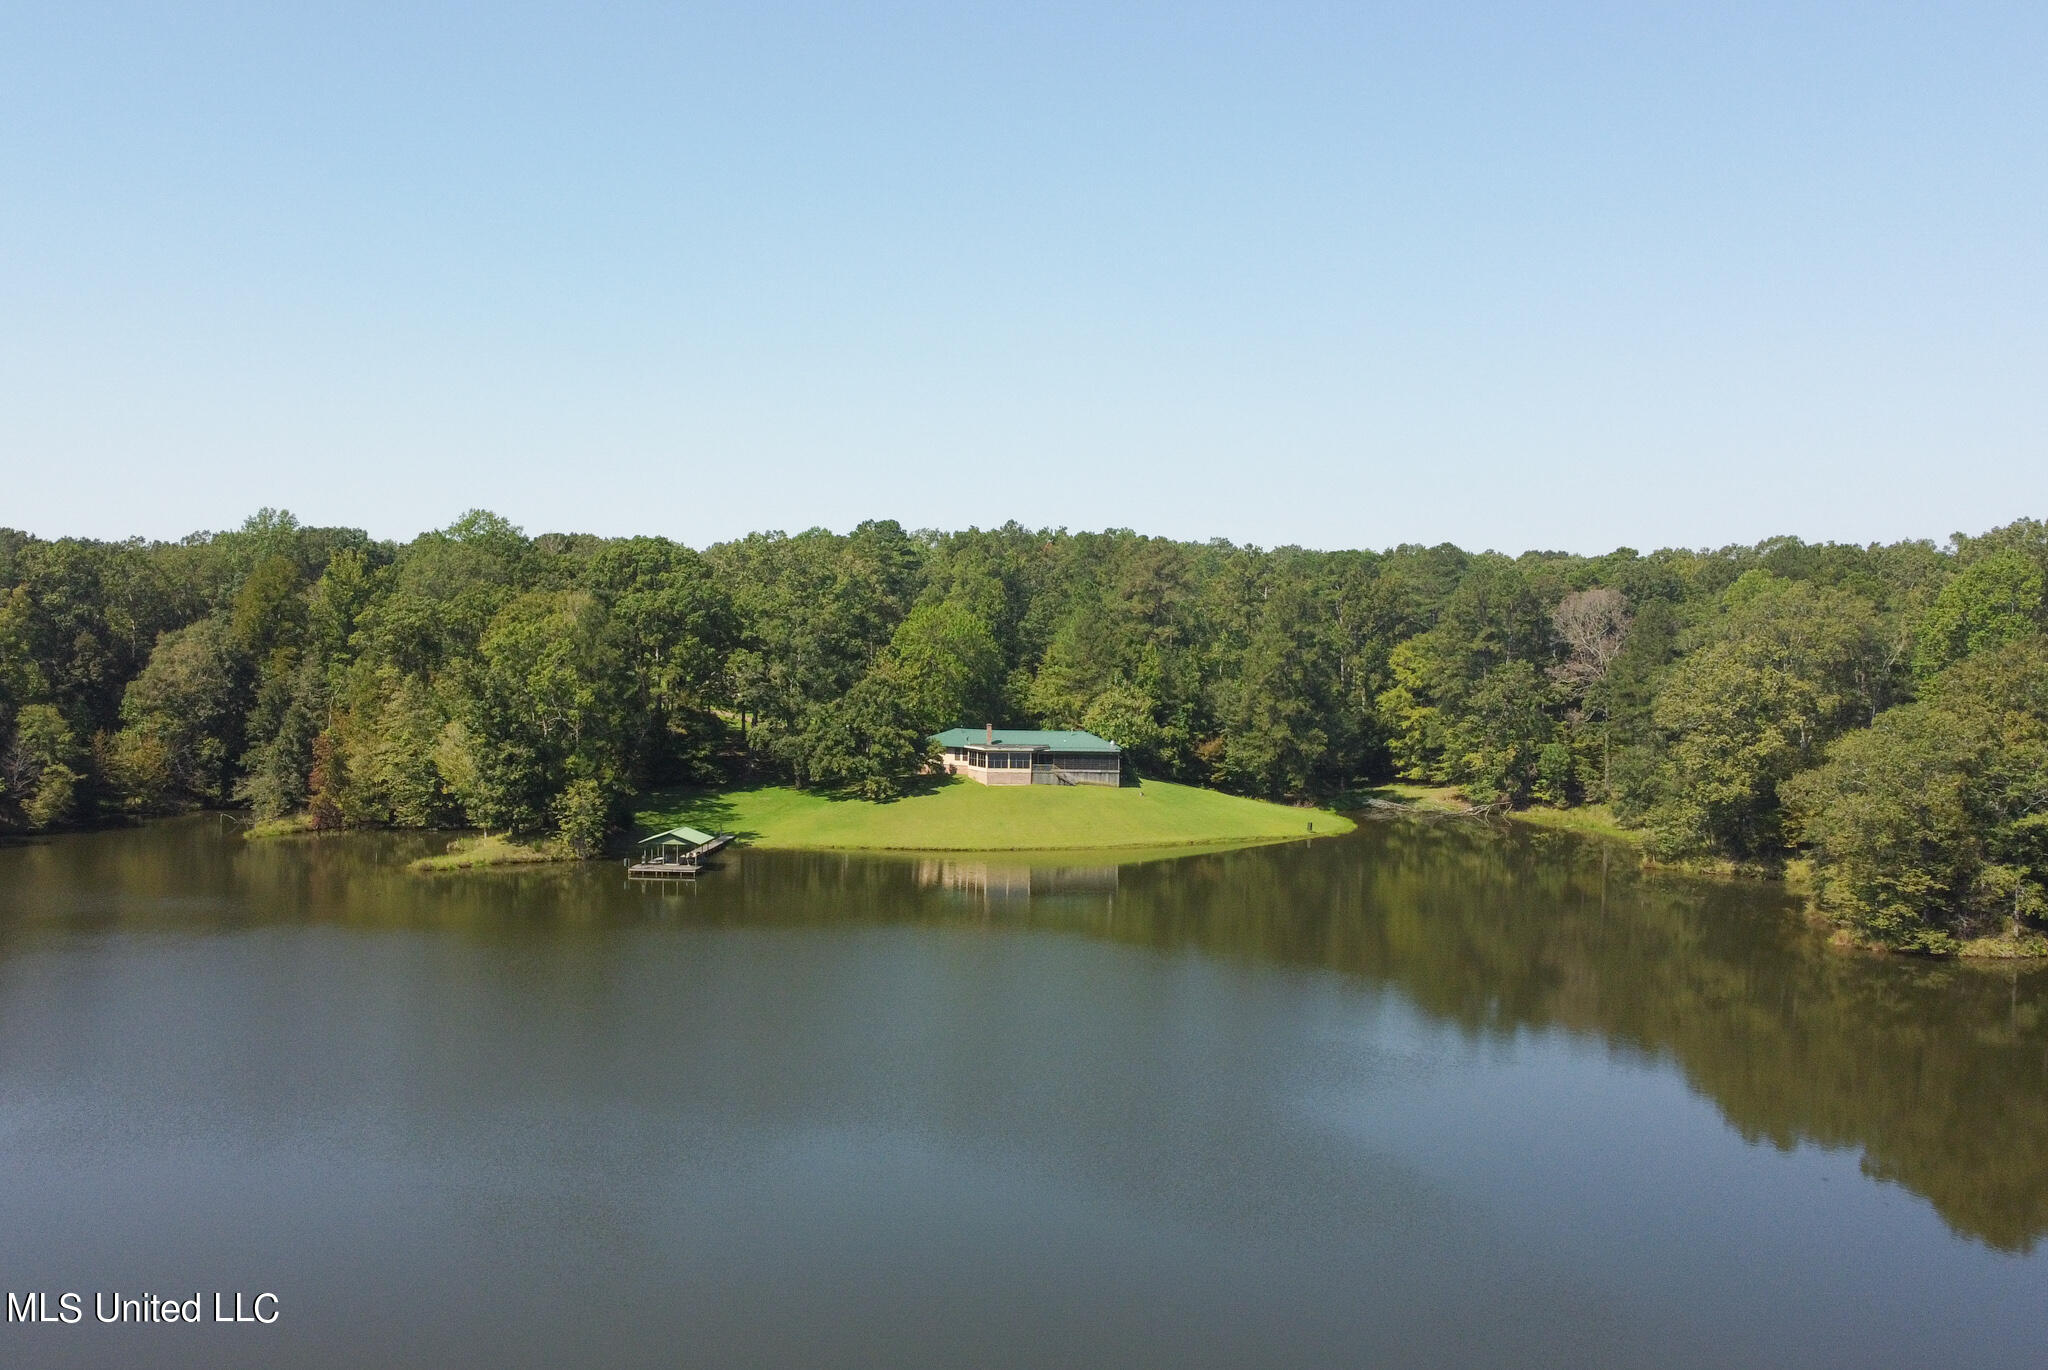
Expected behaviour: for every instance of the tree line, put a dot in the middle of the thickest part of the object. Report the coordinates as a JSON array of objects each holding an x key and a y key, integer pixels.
[{"x": 1880, "y": 710}]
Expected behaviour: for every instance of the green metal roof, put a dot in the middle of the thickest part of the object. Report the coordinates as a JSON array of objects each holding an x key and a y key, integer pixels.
[
  {"x": 1027, "y": 737},
  {"x": 689, "y": 835}
]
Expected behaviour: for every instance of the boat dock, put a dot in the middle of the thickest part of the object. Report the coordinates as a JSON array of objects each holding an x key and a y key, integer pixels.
[{"x": 677, "y": 852}]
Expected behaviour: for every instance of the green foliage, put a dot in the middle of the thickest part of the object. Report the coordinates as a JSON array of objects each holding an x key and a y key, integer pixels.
[
  {"x": 39, "y": 766},
  {"x": 1988, "y": 604},
  {"x": 285, "y": 721},
  {"x": 868, "y": 742},
  {"x": 947, "y": 665},
  {"x": 1468, "y": 705},
  {"x": 137, "y": 766},
  {"x": 335, "y": 603},
  {"x": 326, "y": 781},
  {"x": 1501, "y": 746},
  {"x": 87, "y": 616},
  {"x": 670, "y": 624},
  {"x": 1280, "y": 718},
  {"x": 55, "y": 791},
  {"x": 20, "y": 678},
  {"x": 814, "y": 610},
  {"x": 1783, "y": 670},
  {"x": 1932, "y": 826},
  {"x": 1130, "y": 719},
  {"x": 269, "y": 609},
  {"x": 391, "y": 759},
  {"x": 185, "y": 700},
  {"x": 582, "y": 814},
  {"x": 478, "y": 676}
]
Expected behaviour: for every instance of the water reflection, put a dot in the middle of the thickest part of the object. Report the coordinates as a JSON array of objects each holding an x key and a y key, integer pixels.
[
  {"x": 1015, "y": 882},
  {"x": 1936, "y": 1073}
]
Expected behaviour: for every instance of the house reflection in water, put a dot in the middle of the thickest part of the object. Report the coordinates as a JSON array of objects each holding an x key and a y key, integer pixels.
[{"x": 995, "y": 882}]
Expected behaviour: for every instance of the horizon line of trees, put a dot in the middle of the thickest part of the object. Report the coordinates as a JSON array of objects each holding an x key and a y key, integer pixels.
[{"x": 1880, "y": 709}]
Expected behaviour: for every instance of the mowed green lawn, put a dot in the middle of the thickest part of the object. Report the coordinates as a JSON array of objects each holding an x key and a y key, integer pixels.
[{"x": 960, "y": 815}]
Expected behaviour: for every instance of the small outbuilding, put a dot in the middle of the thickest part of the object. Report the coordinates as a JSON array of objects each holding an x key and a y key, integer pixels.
[
  {"x": 679, "y": 851},
  {"x": 1029, "y": 756}
]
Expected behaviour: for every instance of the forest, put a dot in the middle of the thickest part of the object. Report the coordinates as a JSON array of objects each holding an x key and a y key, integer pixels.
[{"x": 1877, "y": 713}]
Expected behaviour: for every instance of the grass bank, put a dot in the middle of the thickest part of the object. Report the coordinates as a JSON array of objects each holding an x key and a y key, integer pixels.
[
  {"x": 493, "y": 849},
  {"x": 960, "y": 815},
  {"x": 2028, "y": 946},
  {"x": 1595, "y": 819},
  {"x": 291, "y": 825},
  {"x": 1444, "y": 799}
]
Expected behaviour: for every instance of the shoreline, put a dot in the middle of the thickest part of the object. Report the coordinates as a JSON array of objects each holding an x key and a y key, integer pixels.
[
  {"x": 1189, "y": 846},
  {"x": 489, "y": 851}
]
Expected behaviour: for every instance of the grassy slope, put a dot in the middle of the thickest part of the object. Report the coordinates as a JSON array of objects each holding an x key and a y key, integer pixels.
[{"x": 964, "y": 816}]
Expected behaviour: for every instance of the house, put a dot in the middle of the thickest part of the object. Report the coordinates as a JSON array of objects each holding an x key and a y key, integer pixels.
[{"x": 1024, "y": 756}]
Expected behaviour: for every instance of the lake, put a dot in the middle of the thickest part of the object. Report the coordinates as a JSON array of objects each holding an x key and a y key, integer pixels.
[{"x": 1433, "y": 1094}]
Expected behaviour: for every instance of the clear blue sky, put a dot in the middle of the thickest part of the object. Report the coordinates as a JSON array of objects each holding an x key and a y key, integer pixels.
[{"x": 1513, "y": 275}]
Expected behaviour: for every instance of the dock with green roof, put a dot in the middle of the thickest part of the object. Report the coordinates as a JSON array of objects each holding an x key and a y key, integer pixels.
[{"x": 676, "y": 852}]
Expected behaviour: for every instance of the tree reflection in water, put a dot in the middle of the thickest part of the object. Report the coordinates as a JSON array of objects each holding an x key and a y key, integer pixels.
[{"x": 1937, "y": 1072}]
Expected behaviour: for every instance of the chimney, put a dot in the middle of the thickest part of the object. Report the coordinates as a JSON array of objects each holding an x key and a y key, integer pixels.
[{"x": 991, "y": 734}]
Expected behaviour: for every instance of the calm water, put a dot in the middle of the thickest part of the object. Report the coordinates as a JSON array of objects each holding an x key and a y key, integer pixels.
[{"x": 1433, "y": 1095}]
